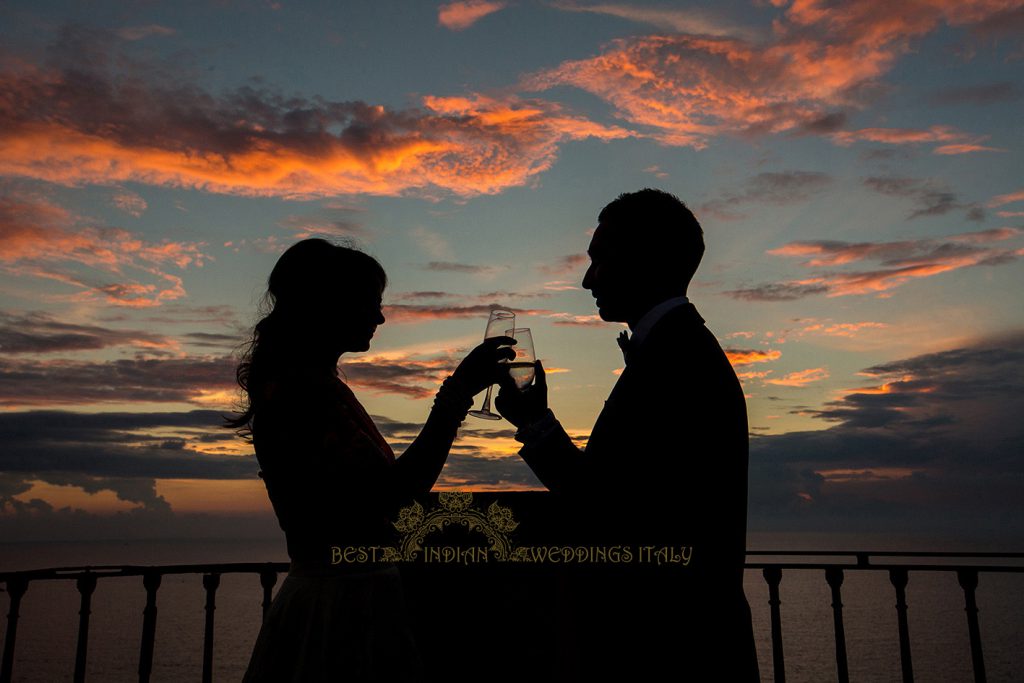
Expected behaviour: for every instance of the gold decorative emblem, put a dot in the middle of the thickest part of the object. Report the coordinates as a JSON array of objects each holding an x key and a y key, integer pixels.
[{"x": 456, "y": 508}]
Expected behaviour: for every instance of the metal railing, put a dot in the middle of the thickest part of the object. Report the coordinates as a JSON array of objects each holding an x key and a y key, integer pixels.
[
  {"x": 967, "y": 577},
  {"x": 840, "y": 562}
]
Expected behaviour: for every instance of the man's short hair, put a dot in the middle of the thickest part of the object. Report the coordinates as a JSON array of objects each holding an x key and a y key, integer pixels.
[{"x": 659, "y": 224}]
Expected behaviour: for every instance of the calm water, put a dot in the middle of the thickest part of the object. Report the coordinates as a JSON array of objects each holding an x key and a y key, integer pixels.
[{"x": 47, "y": 630}]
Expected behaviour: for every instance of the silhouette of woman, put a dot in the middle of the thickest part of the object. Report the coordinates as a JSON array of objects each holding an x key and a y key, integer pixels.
[{"x": 332, "y": 479}]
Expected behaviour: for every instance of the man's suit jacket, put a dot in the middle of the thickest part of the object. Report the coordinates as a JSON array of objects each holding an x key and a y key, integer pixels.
[{"x": 665, "y": 464}]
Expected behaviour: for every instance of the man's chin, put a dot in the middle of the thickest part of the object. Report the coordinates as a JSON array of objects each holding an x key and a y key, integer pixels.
[{"x": 609, "y": 315}]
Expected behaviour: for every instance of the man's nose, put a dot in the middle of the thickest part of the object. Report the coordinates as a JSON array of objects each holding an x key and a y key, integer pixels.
[{"x": 588, "y": 277}]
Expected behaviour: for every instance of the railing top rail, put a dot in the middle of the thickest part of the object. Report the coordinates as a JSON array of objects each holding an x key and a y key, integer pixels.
[
  {"x": 1013, "y": 569},
  {"x": 861, "y": 563},
  {"x": 886, "y": 553},
  {"x": 139, "y": 570}
]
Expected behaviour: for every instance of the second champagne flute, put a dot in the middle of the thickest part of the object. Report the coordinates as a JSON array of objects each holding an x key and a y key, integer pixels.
[{"x": 521, "y": 368}]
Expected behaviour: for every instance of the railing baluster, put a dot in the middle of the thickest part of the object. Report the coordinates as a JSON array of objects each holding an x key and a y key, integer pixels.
[
  {"x": 898, "y": 577},
  {"x": 968, "y": 579},
  {"x": 834, "y": 577},
  {"x": 267, "y": 579},
  {"x": 773, "y": 575},
  {"x": 151, "y": 580},
  {"x": 86, "y": 585},
  {"x": 210, "y": 583},
  {"x": 15, "y": 588}
]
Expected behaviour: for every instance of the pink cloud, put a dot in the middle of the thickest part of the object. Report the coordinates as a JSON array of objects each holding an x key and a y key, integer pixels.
[
  {"x": 820, "y": 62},
  {"x": 965, "y": 149},
  {"x": 900, "y": 263},
  {"x": 1002, "y": 199},
  {"x": 40, "y": 239},
  {"x": 462, "y": 14}
]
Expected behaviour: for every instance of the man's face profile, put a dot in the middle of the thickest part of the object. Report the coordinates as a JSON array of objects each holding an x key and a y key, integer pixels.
[{"x": 610, "y": 277}]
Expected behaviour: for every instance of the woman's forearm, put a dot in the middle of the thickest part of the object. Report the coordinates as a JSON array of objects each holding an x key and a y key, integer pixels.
[{"x": 421, "y": 463}]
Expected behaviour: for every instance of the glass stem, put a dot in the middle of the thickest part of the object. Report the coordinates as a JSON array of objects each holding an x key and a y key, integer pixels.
[{"x": 486, "y": 408}]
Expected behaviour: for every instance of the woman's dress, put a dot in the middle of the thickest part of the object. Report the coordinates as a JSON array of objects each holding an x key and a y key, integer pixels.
[{"x": 331, "y": 479}]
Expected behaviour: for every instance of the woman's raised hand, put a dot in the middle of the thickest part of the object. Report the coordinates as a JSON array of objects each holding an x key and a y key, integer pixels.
[{"x": 481, "y": 367}]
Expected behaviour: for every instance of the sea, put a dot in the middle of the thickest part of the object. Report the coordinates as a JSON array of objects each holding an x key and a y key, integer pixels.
[{"x": 48, "y": 625}]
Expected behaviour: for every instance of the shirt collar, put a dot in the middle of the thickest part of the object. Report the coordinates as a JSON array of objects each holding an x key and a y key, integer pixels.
[{"x": 644, "y": 325}]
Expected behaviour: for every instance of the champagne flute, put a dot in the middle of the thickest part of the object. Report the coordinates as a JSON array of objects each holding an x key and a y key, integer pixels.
[
  {"x": 521, "y": 368},
  {"x": 499, "y": 321}
]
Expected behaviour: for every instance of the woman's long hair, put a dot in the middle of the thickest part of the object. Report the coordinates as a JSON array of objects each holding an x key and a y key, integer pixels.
[{"x": 309, "y": 281}]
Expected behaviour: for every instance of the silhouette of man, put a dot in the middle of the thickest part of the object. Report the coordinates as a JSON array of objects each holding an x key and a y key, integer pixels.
[{"x": 665, "y": 466}]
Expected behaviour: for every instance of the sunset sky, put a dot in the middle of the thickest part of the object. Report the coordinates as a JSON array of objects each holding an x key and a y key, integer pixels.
[{"x": 858, "y": 169}]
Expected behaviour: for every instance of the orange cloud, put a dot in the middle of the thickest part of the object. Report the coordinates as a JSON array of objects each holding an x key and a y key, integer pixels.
[
  {"x": 800, "y": 377},
  {"x": 75, "y": 126},
  {"x": 753, "y": 375},
  {"x": 901, "y": 262},
  {"x": 820, "y": 61},
  {"x": 460, "y": 15},
  {"x": 40, "y": 239},
  {"x": 842, "y": 329},
  {"x": 570, "y": 320},
  {"x": 748, "y": 356}
]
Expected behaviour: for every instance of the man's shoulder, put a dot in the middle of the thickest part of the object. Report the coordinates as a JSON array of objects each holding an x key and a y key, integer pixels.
[{"x": 680, "y": 328}]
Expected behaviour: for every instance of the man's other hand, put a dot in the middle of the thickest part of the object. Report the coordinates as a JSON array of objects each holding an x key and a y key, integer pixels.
[{"x": 523, "y": 406}]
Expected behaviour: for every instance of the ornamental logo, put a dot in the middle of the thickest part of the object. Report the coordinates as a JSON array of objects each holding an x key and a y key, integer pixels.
[{"x": 455, "y": 510}]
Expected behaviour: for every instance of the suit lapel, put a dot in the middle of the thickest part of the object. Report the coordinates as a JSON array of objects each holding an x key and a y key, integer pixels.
[{"x": 611, "y": 425}]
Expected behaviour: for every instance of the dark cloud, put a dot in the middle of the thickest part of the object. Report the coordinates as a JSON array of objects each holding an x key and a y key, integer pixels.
[
  {"x": 1008, "y": 22},
  {"x": 482, "y": 298},
  {"x": 328, "y": 225},
  {"x": 451, "y": 267},
  {"x": 213, "y": 340},
  {"x": 40, "y": 332},
  {"x": 489, "y": 472},
  {"x": 29, "y": 382},
  {"x": 931, "y": 197},
  {"x": 934, "y": 441},
  {"x": 121, "y": 452},
  {"x": 414, "y": 296},
  {"x": 777, "y": 291},
  {"x": 775, "y": 188},
  {"x": 175, "y": 313},
  {"x": 988, "y": 93},
  {"x": 410, "y": 378},
  {"x": 827, "y": 123}
]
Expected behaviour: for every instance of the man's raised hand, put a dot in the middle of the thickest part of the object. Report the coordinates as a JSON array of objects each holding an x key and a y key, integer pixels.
[{"x": 523, "y": 406}]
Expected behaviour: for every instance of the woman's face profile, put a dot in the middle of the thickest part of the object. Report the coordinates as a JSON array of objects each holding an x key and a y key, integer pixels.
[{"x": 359, "y": 316}]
